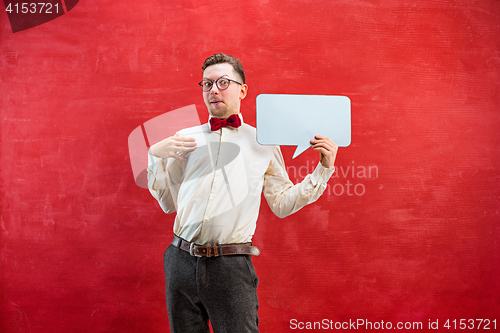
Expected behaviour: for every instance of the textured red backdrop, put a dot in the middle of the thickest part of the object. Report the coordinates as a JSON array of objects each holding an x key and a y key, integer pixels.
[{"x": 82, "y": 245}]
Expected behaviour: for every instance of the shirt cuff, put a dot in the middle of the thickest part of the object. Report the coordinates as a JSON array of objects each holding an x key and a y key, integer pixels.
[
  {"x": 153, "y": 163},
  {"x": 321, "y": 174}
]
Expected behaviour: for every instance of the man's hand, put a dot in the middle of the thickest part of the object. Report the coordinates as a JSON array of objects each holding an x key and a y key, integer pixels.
[
  {"x": 175, "y": 146},
  {"x": 327, "y": 150}
]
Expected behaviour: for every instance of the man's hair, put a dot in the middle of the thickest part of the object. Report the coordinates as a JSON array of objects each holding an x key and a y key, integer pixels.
[{"x": 221, "y": 58}]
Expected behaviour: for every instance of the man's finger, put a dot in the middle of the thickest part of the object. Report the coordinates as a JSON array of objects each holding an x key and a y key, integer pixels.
[
  {"x": 185, "y": 140},
  {"x": 325, "y": 146},
  {"x": 324, "y": 138},
  {"x": 321, "y": 150},
  {"x": 184, "y": 146},
  {"x": 177, "y": 136},
  {"x": 188, "y": 149}
]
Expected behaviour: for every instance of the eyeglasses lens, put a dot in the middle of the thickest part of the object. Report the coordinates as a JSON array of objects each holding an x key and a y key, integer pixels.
[{"x": 222, "y": 84}]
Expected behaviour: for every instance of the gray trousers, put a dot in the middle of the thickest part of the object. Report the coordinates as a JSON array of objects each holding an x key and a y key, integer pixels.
[{"x": 220, "y": 289}]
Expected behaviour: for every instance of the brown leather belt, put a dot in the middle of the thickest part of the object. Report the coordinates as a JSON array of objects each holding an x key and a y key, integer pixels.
[{"x": 214, "y": 250}]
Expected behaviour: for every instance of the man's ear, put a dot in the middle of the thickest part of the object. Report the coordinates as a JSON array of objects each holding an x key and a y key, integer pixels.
[{"x": 243, "y": 91}]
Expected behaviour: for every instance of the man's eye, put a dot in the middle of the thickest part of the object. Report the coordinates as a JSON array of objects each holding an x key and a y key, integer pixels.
[
  {"x": 223, "y": 82},
  {"x": 207, "y": 83}
]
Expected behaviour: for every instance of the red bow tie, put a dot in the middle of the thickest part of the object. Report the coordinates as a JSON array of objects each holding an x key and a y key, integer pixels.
[{"x": 232, "y": 121}]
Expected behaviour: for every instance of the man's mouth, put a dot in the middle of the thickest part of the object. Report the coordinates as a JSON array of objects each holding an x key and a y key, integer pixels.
[{"x": 215, "y": 102}]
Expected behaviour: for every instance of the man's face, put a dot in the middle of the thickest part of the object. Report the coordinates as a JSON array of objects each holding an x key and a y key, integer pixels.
[{"x": 223, "y": 103}]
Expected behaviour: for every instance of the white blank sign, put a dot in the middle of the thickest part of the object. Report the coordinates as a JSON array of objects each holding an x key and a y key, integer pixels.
[{"x": 294, "y": 120}]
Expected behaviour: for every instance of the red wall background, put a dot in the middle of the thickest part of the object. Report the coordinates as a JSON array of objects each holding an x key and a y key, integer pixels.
[{"x": 82, "y": 245}]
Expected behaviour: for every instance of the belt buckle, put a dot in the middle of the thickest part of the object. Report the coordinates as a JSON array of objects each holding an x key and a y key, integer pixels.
[{"x": 191, "y": 250}]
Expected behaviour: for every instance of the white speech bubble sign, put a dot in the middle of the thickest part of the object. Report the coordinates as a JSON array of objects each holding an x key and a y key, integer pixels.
[{"x": 294, "y": 120}]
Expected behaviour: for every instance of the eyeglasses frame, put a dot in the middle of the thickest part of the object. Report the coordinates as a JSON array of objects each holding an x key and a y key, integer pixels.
[{"x": 217, "y": 83}]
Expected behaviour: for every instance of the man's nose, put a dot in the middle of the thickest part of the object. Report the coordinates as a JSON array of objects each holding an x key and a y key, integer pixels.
[{"x": 214, "y": 89}]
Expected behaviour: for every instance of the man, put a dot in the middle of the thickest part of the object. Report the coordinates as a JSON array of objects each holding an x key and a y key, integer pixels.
[{"x": 213, "y": 176}]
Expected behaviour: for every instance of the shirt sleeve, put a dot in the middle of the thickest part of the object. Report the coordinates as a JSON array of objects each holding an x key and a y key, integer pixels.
[
  {"x": 285, "y": 198},
  {"x": 164, "y": 180}
]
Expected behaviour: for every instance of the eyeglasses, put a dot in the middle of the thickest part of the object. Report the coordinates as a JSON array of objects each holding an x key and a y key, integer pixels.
[{"x": 222, "y": 83}]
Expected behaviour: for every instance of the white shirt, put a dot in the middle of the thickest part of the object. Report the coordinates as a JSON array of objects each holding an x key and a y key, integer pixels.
[{"x": 217, "y": 191}]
